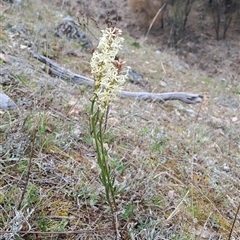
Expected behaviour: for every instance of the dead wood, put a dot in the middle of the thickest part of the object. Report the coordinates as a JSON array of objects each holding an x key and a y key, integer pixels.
[{"x": 58, "y": 71}]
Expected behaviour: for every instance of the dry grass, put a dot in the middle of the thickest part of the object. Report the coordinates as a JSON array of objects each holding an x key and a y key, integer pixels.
[{"x": 176, "y": 165}]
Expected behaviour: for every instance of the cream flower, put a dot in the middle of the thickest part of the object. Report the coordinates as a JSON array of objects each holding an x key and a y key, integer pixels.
[{"x": 105, "y": 69}]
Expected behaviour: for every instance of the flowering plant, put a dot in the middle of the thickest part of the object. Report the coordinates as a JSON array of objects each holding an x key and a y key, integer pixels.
[{"x": 106, "y": 71}]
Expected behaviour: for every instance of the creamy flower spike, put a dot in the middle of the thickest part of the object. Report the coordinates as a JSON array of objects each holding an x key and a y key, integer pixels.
[{"x": 106, "y": 70}]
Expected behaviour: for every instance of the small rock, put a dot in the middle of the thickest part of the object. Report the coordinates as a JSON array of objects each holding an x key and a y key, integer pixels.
[
  {"x": 191, "y": 112},
  {"x": 162, "y": 84},
  {"x": 181, "y": 66},
  {"x": 135, "y": 77},
  {"x": 225, "y": 167},
  {"x": 18, "y": 30},
  {"x": 76, "y": 132},
  {"x": 158, "y": 52},
  {"x": 234, "y": 119},
  {"x": 69, "y": 29},
  {"x": 6, "y": 102}
]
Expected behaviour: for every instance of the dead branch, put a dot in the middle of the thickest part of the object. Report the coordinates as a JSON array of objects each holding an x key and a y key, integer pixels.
[
  {"x": 56, "y": 70},
  {"x": 162, "y": 97}
]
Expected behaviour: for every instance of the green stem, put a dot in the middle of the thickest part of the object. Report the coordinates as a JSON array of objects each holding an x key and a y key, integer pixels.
[
  {"x": 106, "y": 173},
  {"x": 97, "y": 122}
]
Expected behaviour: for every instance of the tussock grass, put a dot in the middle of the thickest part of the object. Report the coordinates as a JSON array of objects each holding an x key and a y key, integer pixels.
[{"x": 176, "y": 166}]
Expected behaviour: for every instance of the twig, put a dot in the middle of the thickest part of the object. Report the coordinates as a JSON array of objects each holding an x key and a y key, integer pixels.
[
  {"x": 28, "y": 169},
  {"x": 177, "y": 208},
  {"x": 234, "y": 221},
  {"x": 64, "y": 232},
  {"x": 163, "y": 68},
  {"x": 154, "y": 19}
]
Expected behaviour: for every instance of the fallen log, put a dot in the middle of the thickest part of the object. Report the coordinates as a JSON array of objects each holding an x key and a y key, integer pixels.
[{"x": 58, "y": 71}]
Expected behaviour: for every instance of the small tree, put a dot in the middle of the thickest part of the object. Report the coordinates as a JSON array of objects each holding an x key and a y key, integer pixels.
[
  {"x": 223, "y": 12},
  {"x": 181, "y": 10},
  {"x": 230, "y": 10}
]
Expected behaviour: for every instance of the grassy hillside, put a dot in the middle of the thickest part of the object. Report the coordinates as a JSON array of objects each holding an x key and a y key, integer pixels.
[{"x": 176, "y": 165}]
